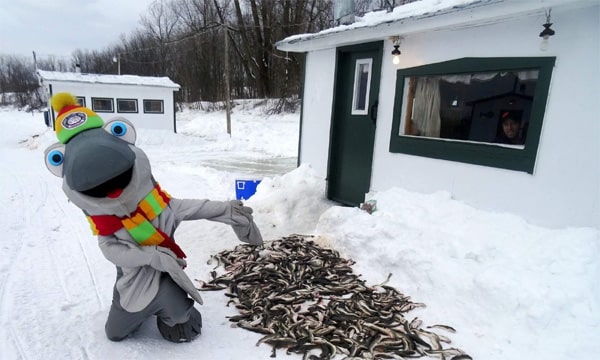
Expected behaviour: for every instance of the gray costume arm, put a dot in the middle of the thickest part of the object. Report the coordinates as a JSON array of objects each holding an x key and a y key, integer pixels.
[
  {"x": 229, "y": 212},
  {"x": 124, "y": 254},
  {"x": 160, "y": 258}
]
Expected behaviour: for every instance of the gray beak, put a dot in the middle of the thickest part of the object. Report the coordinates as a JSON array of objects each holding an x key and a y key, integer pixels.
[{"x": 94, "y": 157}]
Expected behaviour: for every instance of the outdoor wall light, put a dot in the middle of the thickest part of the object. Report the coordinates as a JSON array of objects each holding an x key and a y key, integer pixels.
[
  {"x": 396, "y": 52},
  {"x": 454, "y": 102},
  {"x": 547, "y": 32}
]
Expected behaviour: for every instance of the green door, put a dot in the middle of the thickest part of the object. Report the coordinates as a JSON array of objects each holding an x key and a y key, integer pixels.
[{"x": 353, "y": 122}]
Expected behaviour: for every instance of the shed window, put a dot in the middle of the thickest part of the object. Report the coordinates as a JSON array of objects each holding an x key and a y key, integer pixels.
[
  {"x": 153, "y": 106},
  {"x": 362, "y": 82},
  {"x": 488, "y": 107},
  {"x": 127, "y": 106},
  {"x": 486, "y": 111},
  {"x": 102, "y": 104},
  {"x": 80, "y": 100}
]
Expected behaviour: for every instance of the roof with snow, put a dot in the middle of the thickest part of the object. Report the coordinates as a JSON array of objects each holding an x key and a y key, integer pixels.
[
  {"x": 57, "y": 76},
  {"x": 420, "y": 16}
]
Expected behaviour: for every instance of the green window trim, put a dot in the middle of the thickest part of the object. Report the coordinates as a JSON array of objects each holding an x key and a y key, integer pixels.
[{"x": 468, "y": 152}]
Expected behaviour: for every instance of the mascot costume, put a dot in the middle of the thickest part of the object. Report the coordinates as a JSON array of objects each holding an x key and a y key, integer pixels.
[{"x": 109, "y": 178}]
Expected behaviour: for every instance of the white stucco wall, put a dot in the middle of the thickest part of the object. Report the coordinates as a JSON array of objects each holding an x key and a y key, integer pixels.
[
  {"x": 119, "y": 91},
  {"x": 564, "y": 189},
  {"x": 316, "y": 109}
]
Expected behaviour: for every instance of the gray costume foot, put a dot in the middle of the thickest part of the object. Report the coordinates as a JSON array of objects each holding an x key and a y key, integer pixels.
[{"x": 184, "y": 332}]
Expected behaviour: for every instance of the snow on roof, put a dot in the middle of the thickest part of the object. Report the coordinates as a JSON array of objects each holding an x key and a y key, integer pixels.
[
  {"x": 423, "y": 8},
  {"x": 374, "y": 23},
  {"x": 107, "y": 79}
]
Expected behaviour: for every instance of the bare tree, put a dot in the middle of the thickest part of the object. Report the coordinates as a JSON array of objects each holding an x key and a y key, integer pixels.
[
  {"x": 17, "y": 77},
  {"x": 161, "y": 25},
  {"x": 184, "y": 39}
]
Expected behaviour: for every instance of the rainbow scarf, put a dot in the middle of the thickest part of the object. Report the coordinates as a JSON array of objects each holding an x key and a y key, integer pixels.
[{"x": 138, "y": 224}]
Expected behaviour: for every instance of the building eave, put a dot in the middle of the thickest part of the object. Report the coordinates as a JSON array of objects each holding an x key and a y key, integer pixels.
[
  {"x": 457, "y": 14},
  {"x": 123, "y": 80}
]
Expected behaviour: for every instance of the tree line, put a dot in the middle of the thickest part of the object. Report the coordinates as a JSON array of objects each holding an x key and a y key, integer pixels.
[{"x": 198, "y": 44}]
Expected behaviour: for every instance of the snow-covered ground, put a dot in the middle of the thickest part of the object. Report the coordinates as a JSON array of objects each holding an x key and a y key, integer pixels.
[{"x": 511, "y": 290}]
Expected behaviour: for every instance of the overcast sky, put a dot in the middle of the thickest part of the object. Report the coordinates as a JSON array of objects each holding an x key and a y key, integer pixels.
[{"x": 58, "y": 27}]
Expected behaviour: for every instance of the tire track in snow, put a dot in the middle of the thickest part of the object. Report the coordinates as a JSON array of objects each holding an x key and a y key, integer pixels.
[
  {"x": 17, "y": 341},
  {"x": 6, "y": 309},
  {"x": 33, "y": 210},
  {"x": 7, "y": 325},
  {"x": 38, "y": 232},
  {"x": 83, "y": 251}
]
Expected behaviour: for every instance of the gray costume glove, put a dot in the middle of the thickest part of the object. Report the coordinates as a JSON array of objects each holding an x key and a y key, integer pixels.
[
  {"x": 163, "y": 259},
  {"x": 244, "y": 227}
]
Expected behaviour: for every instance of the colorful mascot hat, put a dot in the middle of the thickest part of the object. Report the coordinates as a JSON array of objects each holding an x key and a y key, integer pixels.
[
  {"x": 72, "y": 118},
  {"x": 90, "y": 153}
]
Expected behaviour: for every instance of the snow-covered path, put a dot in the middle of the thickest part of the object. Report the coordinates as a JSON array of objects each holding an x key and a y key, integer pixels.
[
  {"x": 41, "y": 263},
  {"x": 512, "y": 290},
  {"x": 55, "y": 285}
]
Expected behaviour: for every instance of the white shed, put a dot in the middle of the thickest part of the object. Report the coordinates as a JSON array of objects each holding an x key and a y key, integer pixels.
[
  {"x": 439, "y": 118},
  {"x": 148, "y": 102}
]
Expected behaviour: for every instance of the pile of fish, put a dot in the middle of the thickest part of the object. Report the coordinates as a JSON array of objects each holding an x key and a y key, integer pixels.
[{"x": 306, "y": 299}]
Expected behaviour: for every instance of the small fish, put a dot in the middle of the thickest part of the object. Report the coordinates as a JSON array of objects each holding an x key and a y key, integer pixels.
[
  {"x": 204, "y": 286},
  {"x": 305, "y": 298},
  {"x": 444, "y": 327}
]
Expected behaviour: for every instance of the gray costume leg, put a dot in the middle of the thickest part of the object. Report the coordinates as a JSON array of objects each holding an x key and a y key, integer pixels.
[
  {"x": 171, "y": 305},
  {"x": 183, "y": 332}
]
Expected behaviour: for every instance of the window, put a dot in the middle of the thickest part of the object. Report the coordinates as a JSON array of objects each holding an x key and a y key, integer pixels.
[
  {"x": 153, "y": 106},
  {"x": 80, "y": 100},
  {"x": 102, "y": 104},
  {"x": 485, "y": 111},
  {"x": 362, "y": 84},
  {"x": 127, "y": 106}
]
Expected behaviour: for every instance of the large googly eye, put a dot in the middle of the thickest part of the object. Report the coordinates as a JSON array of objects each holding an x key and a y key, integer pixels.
[
  {"x": 118, "y": 128},
  {"x": 55, "y": 157},
  {"x": 121, "y": 128}
]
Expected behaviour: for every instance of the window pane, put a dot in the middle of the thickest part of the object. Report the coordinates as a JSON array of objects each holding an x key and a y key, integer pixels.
[
  {"x": 489, "y": 107},
  {"x": 102, "y": 104},
  {"x": 153, "y": 106},
  {"x": 80, "y": 100},
  {"x": 362, "y": 82},
  {"x": 127, "y": 105},
  {"x": 472, "y": 99}
]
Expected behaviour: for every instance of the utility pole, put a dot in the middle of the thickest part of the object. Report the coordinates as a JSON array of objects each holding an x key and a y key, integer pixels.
[
  {"x": 227, "y": 90},
  {"x": 117, "y": 59}
]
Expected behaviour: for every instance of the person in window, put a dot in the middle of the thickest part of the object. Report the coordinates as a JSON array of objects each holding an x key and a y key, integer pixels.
[{"x": 511, "y": 129}]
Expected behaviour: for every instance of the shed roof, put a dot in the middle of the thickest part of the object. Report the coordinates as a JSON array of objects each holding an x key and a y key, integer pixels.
[
  {"x": 58, "y": 76},
  {"x": 421, "y": 16}
]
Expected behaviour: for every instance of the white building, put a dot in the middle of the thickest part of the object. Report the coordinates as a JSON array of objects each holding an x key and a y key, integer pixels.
[
  {"x": 148, "y": 102},
  {"x": 433, "y": 121}
]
